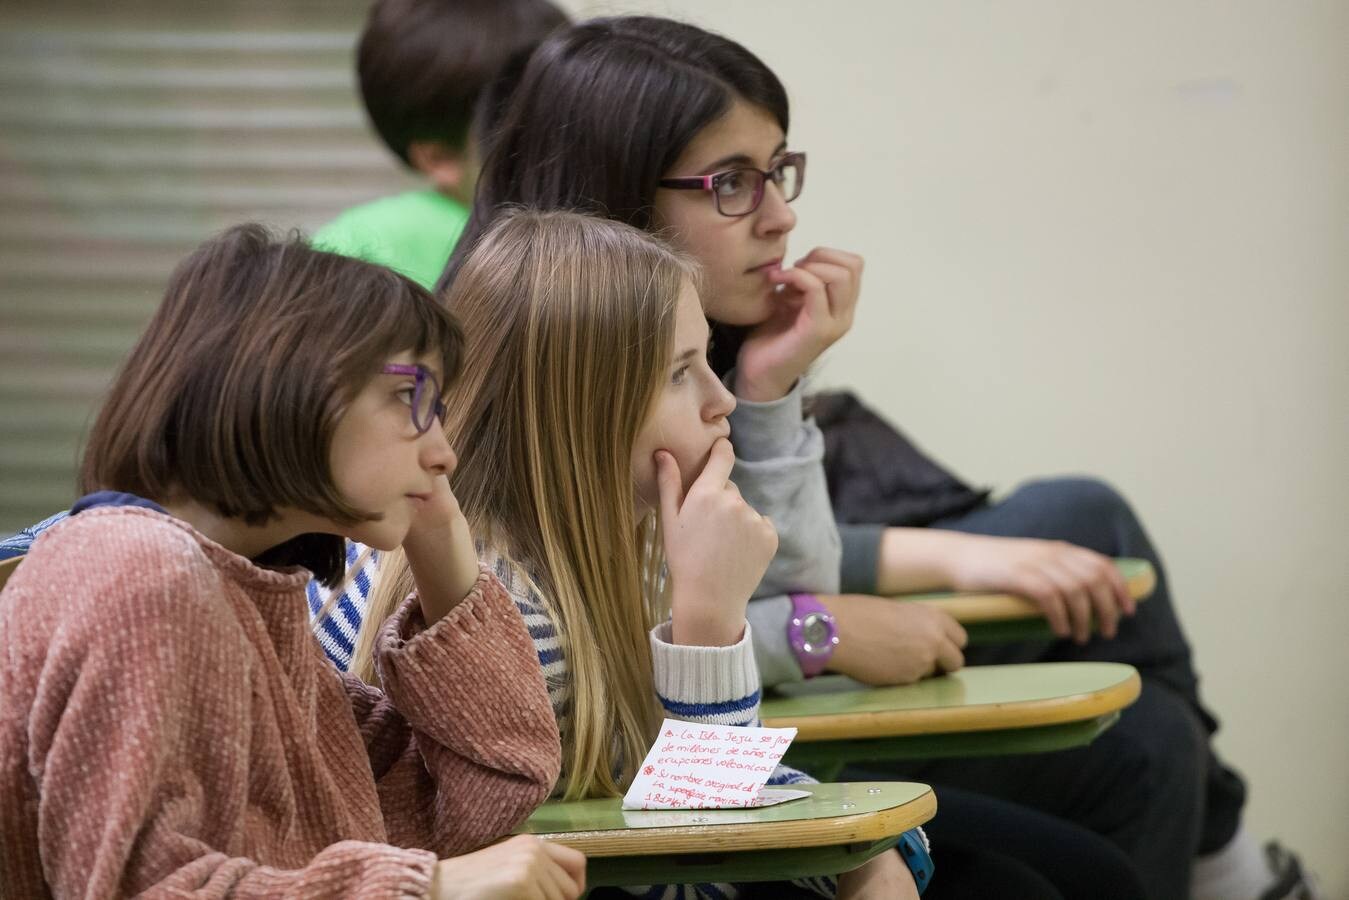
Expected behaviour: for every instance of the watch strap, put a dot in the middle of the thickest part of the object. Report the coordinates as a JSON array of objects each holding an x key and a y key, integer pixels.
[
  {"x": 812, "y": 655},
  {"x": 914, "y": 850}
]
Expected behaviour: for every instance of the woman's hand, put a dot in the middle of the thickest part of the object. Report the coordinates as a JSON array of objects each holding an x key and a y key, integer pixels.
[
  {"x": 521, "y": 868},
  {"x": 717, "y": 549},
  {"x": 814, "y": 307},
  {"x": 440, "y": 552},
  {"x": 882, "y": 641},
  {"x": 1070, "y": 584},
  {"x": 884, "y": 877}
]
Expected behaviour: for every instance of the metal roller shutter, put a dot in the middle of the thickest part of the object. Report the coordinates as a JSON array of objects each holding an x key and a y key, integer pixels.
[{"x": 127, "y": 135}]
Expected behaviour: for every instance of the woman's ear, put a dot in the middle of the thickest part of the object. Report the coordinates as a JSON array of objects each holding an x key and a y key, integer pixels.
[{"x": 446, "y": 167}]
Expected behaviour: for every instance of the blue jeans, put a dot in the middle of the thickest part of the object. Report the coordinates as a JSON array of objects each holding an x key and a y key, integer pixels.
[{"x": 1153, "y": 783}]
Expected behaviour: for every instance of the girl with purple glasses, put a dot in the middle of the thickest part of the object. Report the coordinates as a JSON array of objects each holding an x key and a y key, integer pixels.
[{"x": 167, "y": 725}]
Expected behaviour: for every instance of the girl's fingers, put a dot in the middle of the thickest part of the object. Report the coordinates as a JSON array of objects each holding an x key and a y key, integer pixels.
[
  {"x": 717, "y": 472},
  {"x": 1093, "y": 570},
  {"x": 955, "y": 631},
  {"x": 1120, "y": 587},
  {"x": 828, "y": 272},
  {"x": 806, "y": 283},
  {"x": 949, "y": 658},
  {"x": 573, "y": 865},
  {"x": 838, "y": 283},
  {"x": 1100, "y": 569},
  {"x": 838, "y": 257},
  {"x": 549, "y": 884},
  {"x": 849, "y": 281},
  {"x": 1075, "y": 598},
  {"x": 1107, "y": 612},
  {"x": 1043, "y": 591},
  {"x": 670, "y": 485}
]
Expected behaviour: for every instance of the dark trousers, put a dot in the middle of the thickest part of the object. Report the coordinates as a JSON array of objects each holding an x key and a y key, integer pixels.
[
  {"x": 985, "y": 848},
  {"x": 1152, "y": 783}
]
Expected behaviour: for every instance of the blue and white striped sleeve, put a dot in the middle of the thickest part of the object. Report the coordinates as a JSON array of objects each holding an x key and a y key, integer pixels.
[
  {"x": 18, "y": 544},
  {"x": 547, "y": 641},
  {"x": 336, "y": 631}
]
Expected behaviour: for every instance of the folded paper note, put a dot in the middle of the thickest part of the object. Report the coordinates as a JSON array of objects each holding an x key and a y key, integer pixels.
[{"x": 695, "y": 766}]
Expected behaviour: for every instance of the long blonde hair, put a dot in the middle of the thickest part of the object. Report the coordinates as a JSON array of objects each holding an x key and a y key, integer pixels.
[{"x": 569, "y": 324}]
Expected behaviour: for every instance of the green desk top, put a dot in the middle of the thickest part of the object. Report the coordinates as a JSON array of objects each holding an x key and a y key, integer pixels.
[
  {"x": 826, "y": 801},
  {"x": 977, "y": 698},
  {"x": 836, "y": 829}
]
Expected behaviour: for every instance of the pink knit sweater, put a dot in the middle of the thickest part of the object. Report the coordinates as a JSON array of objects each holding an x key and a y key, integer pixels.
[{"x": 168, "y": 724}]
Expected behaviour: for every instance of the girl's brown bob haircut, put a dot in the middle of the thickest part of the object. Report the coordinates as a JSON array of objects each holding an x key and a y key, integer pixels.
[{"x": 232, "y": 394}]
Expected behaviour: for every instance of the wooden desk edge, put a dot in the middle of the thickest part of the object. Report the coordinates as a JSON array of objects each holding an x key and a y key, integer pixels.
[
  {"x": 7, "y": 568},
  {"x": 971, "y": 609},
  {"x": 846, "y": 829},
  {"x": 946, "y": 720}
]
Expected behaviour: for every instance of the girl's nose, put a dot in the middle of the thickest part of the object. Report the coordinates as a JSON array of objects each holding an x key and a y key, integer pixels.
[
  {"x": 774, "y": 215},
  {"x": 437, "y": 454},
  {"x": 722, "y": 403}
]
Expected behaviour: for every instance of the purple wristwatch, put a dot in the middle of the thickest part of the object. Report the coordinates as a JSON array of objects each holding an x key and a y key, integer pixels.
[{"x": 812, "y": 633}]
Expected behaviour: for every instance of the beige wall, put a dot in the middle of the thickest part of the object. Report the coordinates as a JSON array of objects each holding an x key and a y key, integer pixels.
[{"x": 1111, "y": 238}]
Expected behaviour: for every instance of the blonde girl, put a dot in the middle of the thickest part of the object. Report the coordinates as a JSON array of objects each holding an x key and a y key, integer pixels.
[{"x": 595, "y": 469}]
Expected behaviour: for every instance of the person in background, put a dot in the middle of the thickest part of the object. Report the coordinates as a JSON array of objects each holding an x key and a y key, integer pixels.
[{"x": 423, "y": 66}]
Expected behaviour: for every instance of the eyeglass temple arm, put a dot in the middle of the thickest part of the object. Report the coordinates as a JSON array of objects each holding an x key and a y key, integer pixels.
[{"x": 689, "y": 182}]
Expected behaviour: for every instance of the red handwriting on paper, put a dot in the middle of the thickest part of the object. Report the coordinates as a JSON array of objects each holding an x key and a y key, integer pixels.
[
  {"x": 744, "y": 766},
  {"x": 702, "y": 766}
]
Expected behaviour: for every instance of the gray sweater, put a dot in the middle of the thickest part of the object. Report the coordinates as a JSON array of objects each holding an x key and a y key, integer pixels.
[{"x": 779, "y": 469}]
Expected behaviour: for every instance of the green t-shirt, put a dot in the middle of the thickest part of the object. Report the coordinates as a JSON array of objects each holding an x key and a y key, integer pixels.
[{"x": 412, "y": 233}]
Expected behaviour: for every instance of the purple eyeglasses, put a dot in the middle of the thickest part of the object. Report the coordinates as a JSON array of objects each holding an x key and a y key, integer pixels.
[
  {"x": 427, "y": 407},
  {"x": 739, "y": 191}
]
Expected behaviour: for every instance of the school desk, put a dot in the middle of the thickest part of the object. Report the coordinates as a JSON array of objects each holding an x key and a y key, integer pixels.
[
  {"x": 999, "y": 618},
  {"x": 7, "y": 568},
  {"x": 978, "y": 711},
  {"x": 836, "y": 829}
]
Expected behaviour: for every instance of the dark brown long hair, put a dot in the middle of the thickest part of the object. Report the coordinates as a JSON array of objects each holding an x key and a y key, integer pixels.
[
  {"x": 598, "y": 116},
  {"x": 232, "y": 394},
  {"x": 601, "y": 112}
]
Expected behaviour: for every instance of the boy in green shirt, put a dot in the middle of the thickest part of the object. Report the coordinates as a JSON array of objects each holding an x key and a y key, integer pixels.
[{"x": 422, "y": 65}]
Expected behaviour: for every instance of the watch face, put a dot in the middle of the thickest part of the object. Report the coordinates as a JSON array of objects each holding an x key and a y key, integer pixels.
[{"x": 817, "y": 633}]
